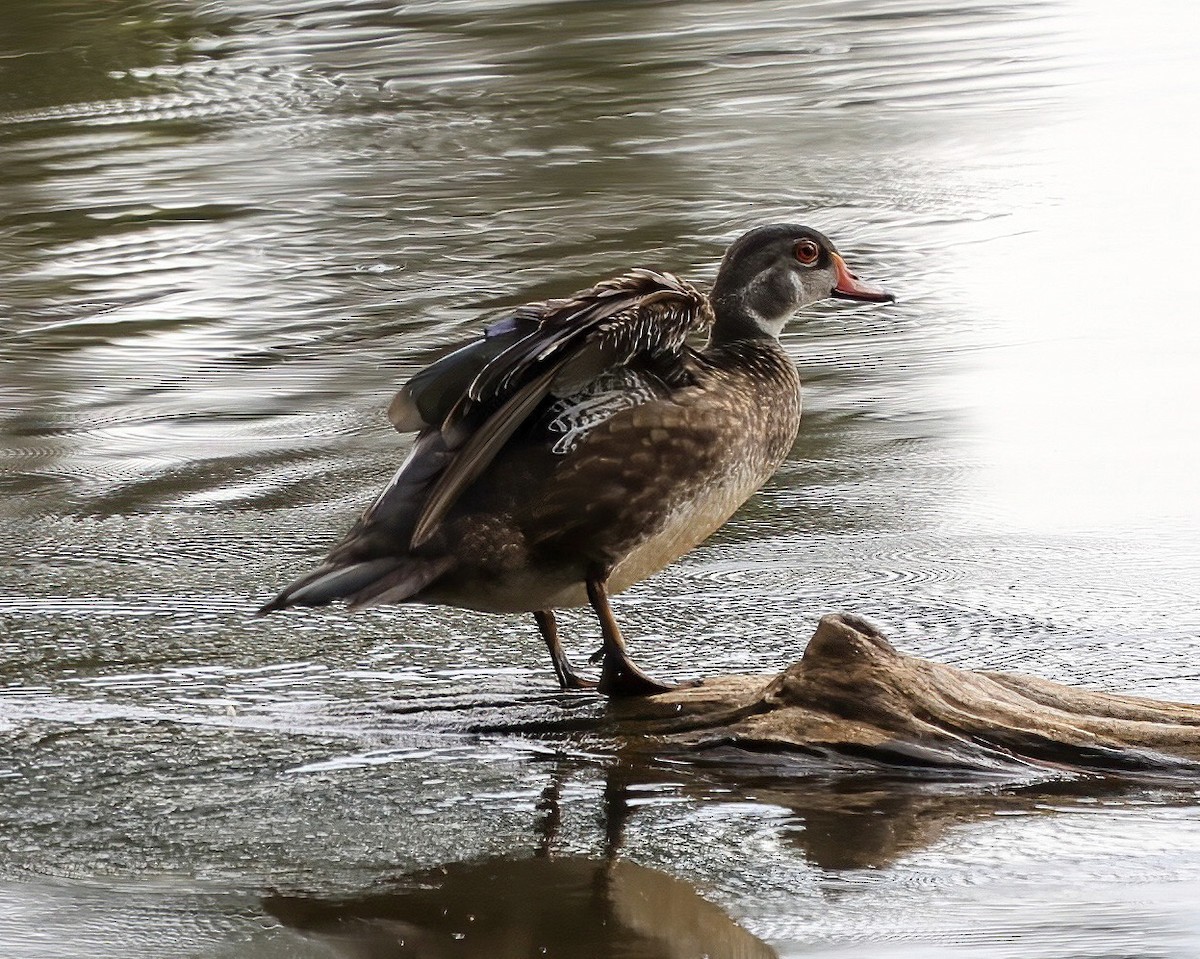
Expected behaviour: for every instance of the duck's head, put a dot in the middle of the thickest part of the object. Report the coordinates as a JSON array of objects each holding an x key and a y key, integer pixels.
[{"x": 773, "y": 271}]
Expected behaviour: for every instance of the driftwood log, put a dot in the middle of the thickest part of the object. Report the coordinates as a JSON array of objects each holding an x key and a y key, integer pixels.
[{"x": 853, "y": 698}]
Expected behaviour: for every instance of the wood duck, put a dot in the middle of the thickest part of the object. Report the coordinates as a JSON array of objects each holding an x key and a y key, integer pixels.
[{"x": 581, "y": 445}]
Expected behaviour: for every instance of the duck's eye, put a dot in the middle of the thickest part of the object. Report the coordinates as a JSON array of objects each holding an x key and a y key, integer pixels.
[{"x": 807, "y": 252}]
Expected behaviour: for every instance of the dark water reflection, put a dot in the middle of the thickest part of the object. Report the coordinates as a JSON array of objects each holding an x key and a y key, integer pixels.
[
  {"x": 573, "y": 907},
  {"x": 544, "y": 904},
  {"x": 548, "y": 903},
  {"x": 228, "y": 230}
]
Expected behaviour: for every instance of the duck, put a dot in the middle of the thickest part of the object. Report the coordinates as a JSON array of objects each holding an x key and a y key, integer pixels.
[{"x": 582, "y": 444}]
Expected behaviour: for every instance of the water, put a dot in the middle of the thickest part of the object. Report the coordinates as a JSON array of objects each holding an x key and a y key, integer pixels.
[{"x": 229, "y": 231}]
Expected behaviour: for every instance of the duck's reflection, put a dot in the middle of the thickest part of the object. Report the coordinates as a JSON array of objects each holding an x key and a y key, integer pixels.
[
  {"x": 540, "y": 905},
  {"x": 523, "y": 908}
]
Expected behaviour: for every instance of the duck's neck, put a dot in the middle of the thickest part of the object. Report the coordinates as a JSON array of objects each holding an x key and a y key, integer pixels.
[{"x": 735, "y": 318}]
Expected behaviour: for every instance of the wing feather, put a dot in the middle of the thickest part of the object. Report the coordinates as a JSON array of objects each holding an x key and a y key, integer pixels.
[
  {"x": 425, "y": 399},
  {"x": 478, "y": 451},
  {"x": 574, "y": 340}
]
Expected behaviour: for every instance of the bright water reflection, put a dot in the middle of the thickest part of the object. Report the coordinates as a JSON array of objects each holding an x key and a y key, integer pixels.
[{"x": 229, "y": 230}]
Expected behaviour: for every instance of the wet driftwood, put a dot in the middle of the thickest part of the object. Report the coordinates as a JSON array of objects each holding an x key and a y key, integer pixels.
[{"x": 853, "y": 697}]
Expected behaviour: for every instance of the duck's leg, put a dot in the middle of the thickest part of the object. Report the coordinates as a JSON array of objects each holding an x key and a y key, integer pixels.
[
  {"x": 618, "y": 676},
  {"x": 567, "y": 677}
]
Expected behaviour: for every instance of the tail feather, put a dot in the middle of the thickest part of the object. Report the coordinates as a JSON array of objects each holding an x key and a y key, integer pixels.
[
  {"x": 405, "y": 581},
  {"x": 370, "y": 565},
  {"x": 333, "y": 581}
]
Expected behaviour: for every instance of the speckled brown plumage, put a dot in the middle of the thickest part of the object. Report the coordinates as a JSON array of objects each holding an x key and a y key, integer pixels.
[
  {"x": 582, "y": 445},
  {"x": 697, "y": 453}
]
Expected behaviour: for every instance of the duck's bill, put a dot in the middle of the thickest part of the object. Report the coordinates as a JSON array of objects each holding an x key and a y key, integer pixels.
[{"x": 850, "y": 287}]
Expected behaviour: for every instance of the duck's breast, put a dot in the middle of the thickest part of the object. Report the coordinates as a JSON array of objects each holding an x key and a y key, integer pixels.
[{"x": 652, "y": 481}]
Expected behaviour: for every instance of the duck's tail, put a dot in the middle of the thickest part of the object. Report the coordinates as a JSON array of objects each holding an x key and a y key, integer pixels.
[
  {"x": 368, "y": 582},
  {"x": 372, "y": 564}
]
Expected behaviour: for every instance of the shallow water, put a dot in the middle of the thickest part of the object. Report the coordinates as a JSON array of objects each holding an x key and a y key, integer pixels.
[{"x": 229, "y": 231}]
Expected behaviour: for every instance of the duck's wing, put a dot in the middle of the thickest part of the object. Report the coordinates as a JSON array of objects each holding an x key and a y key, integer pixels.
[
  {"x": 468, "y": 404},
  {"x": 561, "y": 345},
  {"x": 641, "y": 313},
  {"x": 425, "y": 400}
]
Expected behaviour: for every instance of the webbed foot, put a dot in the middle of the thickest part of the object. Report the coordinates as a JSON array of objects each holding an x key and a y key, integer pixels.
[{"x": 620, "y": 677}]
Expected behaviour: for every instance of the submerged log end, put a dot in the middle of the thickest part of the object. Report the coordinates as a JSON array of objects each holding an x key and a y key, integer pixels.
[{"x": 852, "y": 694}]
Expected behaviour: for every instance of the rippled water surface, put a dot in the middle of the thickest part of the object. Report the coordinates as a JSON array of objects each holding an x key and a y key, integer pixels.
[{"x": 230, "y": 230}]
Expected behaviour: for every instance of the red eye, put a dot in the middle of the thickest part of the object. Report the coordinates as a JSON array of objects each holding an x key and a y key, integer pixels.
[{"x": 807, "y": 252}]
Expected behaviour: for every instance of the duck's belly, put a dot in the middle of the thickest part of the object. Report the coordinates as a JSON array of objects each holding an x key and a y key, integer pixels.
[
  {"x": 690, "y": 521},
  {"x": 686, "y": 526}
]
